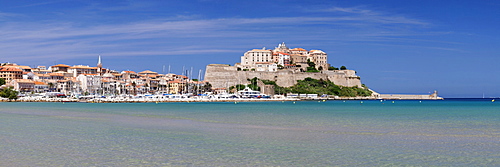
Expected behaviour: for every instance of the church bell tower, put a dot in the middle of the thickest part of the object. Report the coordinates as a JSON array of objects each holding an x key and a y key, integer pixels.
[{"x": 99, "y": 66}]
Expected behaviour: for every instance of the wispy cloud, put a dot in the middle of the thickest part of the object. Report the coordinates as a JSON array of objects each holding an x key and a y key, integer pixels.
[
  {"x": 164, "y": 36},
  {"x": 8, "y": 15},
  {"x": 158, "y": 28},
  {"x": 122, "y": 6},
  {"x": 357, "y": 10},
  {"x": 362, "y": 14},
  {"x": 39, "y": 4}
]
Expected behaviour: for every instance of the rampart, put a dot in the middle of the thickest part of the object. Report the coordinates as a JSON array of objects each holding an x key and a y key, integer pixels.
[
  {"x": 224, "y": 76},
  {"x": 433, "y": 96}
]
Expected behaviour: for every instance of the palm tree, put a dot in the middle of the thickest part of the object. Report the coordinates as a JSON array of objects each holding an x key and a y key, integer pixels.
[
  {"x": 135, "y": 88},
  {"x": 51, "y": 85}
]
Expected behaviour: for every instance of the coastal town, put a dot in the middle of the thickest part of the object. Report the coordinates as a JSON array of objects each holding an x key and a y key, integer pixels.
[
  {"x": 86, "y": 81},
  {"x": 282, "y": 66}
]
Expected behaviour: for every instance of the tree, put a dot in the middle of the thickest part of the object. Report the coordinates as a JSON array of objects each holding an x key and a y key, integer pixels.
[
  {"x": 134, "y": 85},
  {"x": 236, "y": 88},
  {"x": 343, "y": 68},
  {"x": 312, "y": 66},
  {"x": 333, "y": 68},
  {"x": 240, "y": 87},
  {"x": 253, "y": 84},
  {"x": 2, "y": 81},
  {"x": 9, "y": 93},
  {"x": 315, "y": 86},
  {"x": 206, "y": 87},
  {"x": 51, "y": 85}
]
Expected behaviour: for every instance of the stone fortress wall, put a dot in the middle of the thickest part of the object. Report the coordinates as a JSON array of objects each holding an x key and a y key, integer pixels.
[
  {"x": 433, "y": 96},
  {"x": 224, "y": 76}
]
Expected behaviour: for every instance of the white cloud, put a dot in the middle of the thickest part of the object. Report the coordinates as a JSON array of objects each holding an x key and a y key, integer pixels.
[
  {"x": 4, "y": 16},
  {"x": 39, "y": 4},
  {"x": 367, "y": 15},
  {"x": 165, "y": 36},
  {"x": 56, "y": 30},
  {"x": 356, "y": 10}
]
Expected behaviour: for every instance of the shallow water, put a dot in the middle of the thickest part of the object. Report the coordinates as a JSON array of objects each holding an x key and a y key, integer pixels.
[{"x": 331, "y": 133}]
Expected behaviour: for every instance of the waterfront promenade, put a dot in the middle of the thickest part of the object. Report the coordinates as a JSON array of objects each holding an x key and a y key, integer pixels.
[
  {"x": 145, "y": 100},
  {"x": 166, "y": 100}
]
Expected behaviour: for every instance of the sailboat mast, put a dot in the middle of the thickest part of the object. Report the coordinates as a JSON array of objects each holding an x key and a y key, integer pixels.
[{"x": 198, "y": 83}]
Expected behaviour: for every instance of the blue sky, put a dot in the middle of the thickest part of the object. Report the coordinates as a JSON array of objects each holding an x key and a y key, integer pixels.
[{"x": 395, "y": 46}]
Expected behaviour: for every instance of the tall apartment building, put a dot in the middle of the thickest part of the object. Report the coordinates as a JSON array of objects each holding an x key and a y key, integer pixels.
[
  {"x": 10, "y": 73},
  {"x": 319, "y": 58},
  {"x": 250, "y": 58}
]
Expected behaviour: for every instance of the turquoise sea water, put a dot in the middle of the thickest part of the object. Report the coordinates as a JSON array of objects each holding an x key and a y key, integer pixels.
[{"x": 305, "y": 133}]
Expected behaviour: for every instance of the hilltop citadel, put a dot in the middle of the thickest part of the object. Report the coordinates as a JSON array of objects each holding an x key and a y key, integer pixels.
[{"x": 283, "y": 65}]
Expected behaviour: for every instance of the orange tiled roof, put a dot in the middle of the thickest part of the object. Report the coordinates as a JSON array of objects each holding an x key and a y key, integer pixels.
[
  {"x": 56, "y": 74},
  {"x": 298, "y": 49},
  {"x": 10, "y": 69},
  {"x": 131, "y": 72},
  {"x": 147, "y": 72},
  {"x": 18, "y": 66},
  {"x": 61, "y": 65},
  {"x": 316, "y": 51},
  {"x": 182, "y": 76},
  {"x": 82, "y": 67},
  {"x": 40, "y": 83},
  {"x": 24, "y": 81}
]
